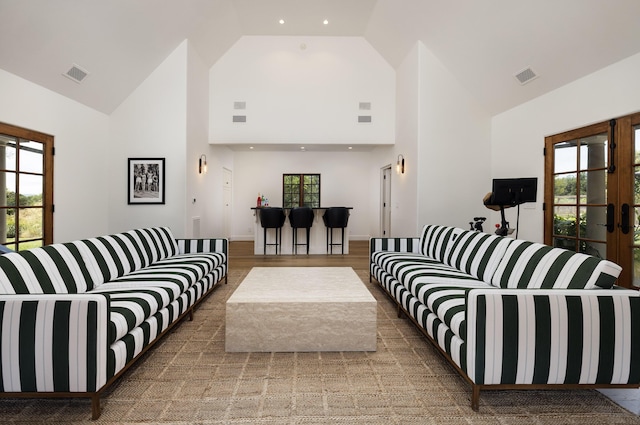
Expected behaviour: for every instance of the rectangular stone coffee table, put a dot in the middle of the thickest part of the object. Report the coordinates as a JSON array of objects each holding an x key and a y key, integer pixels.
[{"x": 301, "y": 309}]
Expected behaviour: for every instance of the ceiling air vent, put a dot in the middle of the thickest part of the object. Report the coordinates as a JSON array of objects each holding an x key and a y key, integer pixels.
[
  {"x": 76, "y": 73},
  {"x": 526, "y": 75}
]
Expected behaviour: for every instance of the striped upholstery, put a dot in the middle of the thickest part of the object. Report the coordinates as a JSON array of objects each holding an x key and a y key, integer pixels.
[
  {"x": 394, "y": 245},
  {"x": 511, "y": 312},
  {"x": 477, "y": 253},
  {"x": 52, "y": 269},
  {"x": 128, "y": 347},
  {"x": 451, "y": 343},
  {"x": 75, "y": 314},
  {"x": 141, "y": 294},
  {"x": 554, "y": 336},
  {"x": 435, "y": 241},
  {"x": 533, "y": 265},
  {"x": 114, "y": 256},
  {"x": 53, "y": 342}
]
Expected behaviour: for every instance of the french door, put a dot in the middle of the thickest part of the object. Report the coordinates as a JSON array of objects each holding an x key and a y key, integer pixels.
[
  {"x": 26, "y": 188},
  {"x": 592, "y": 193}
]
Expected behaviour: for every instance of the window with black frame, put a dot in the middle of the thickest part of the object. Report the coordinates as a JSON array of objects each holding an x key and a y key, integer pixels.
[{"x": 301, "y": 190}]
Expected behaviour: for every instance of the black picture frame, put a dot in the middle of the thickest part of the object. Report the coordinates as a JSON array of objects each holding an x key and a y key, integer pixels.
[{"x": 146, "y": 183}]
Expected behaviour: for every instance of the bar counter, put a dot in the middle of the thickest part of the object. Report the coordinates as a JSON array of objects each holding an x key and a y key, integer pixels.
[{"x": 317, "y": 236}]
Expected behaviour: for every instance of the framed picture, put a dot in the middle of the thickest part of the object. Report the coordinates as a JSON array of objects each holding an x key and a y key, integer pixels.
[{"x": 146, "y": 181}]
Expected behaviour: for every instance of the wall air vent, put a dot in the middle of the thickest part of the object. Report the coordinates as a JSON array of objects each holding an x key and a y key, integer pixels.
[
  {"x": 364, "y": 106},
  {"x": 364, "y": 118},
  {"x": 76, "y": 73},
  {"x": 526, "y": 75},
  {"x": 239, "y": 118},
  {"x": 239, "y": 105}
]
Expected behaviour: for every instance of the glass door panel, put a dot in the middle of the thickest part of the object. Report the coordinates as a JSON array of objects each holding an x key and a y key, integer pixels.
[
  {"x": 580, "y": 194},
  {"x": 635, "y": 135}
]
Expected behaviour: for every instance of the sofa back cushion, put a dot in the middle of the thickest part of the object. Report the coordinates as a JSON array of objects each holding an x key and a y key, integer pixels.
[
  {"x": 113, "y": 256},
  {"x": 477, "y": 253},
  {"x": 435, "y": 240},
  {"x": 534, "y": 265},
  {"x": 51, "y": 269}
]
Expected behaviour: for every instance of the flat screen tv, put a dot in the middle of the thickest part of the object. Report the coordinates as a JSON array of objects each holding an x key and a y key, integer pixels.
[{"x": 514, "y": 191}]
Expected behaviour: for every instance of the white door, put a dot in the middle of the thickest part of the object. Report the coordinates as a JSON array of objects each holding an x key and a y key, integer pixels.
[
  {"x": 227, "y": 178},
  {"x": 385, "y": 202}
]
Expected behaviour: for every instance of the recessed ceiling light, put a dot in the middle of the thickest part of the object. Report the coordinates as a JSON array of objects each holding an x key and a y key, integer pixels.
[
  {"x": 350, "y": 147},
  {"x": 251, "y": 147},
  {"x": 326, "y": 22},
  {"x": 301, "y": 148},
  {"x": 281, "y": 21}
]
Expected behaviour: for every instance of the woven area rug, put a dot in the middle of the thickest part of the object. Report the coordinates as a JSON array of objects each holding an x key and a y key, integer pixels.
[{"x": 188, "y": 378}]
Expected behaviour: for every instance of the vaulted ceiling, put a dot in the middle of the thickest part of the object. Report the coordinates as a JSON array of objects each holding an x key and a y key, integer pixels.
[{"x": 483, "y": 43}]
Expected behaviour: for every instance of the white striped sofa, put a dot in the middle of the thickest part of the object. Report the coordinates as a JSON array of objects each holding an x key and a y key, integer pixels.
[
  {"x": 74, "y": 316},
  {"x": 513, "y": 314}
]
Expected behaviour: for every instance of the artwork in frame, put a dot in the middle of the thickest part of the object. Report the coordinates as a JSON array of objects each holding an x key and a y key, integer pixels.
[{"x": 146, "y": 181}]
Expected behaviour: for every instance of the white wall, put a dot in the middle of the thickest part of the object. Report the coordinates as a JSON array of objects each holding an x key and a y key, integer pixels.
[
  {"x": 404, "y": 187},
  {"x": 197, "y": 144},
  {"x": 518, "y": 134},
  {"x": 345, "y": 181},
  {"x": 152, "y": 123},
  {"x": 81, "y": 166},
  {"x": 302, "y": 90},
  {"x": 454, "y": 151}
]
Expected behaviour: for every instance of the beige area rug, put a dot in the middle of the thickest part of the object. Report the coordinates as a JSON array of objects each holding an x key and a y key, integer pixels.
[{"x": 188, "y": 379}]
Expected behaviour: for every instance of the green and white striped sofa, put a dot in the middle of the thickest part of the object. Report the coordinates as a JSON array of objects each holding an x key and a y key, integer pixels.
[
  {"x": 74, "y": 316},
  {"x": 513, "y": 314}
]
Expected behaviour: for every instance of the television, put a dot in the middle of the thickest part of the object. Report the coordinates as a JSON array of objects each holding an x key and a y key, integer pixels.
[{"x": 511, "y": 192}]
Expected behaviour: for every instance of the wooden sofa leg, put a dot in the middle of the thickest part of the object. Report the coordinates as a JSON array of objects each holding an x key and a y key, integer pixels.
[
  {"x": 399, "y": 311},
  {"x": 95, "y": 406},
  {"x": 475, "y": 397}
]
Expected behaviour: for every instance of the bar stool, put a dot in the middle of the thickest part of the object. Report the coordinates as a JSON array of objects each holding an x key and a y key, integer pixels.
[
  {"x": 335, "y": 218},
  {"x": 272, "y": 218},
  {"x": 300, "y": 218}
]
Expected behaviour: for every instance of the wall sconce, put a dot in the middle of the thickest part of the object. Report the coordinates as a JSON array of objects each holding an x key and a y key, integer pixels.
[
  {"x": 202, "y": 164},
  {"x": 400, "y": 164}
]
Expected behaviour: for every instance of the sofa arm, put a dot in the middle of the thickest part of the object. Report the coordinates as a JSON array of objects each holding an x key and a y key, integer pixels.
[
  {"x": 53, "y": 342},
  {"x": 534, "y": 336},
  {"x": 394, "y": 245},
  {"x": 186, "y": 246}
]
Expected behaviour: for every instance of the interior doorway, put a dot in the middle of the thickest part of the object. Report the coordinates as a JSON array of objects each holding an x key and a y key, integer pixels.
[{"x": 385, "y": 201}]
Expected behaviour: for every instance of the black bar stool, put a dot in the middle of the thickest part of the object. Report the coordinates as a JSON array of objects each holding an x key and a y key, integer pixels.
[
  {"x": 300, "y": 218},
  {"x": 335, "y": 218},
  {"x": 272, "y": 218}
]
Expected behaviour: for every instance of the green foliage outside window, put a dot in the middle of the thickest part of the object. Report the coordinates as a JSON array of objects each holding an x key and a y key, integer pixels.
[{"x": 301, "y": 190}]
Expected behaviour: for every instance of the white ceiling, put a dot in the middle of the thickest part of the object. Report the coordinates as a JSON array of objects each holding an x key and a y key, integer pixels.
[{"x": 483, "y": 43}]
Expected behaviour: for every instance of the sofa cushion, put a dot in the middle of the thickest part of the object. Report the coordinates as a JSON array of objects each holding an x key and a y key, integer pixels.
[
  {"x": 140, "y": 294},
  {"x": 399, "y": 263},
  {"x": 477, "y": 253},
  {"x": 51, "y": 269},
  {"x": 113, "y": 256},
  {"x": 435, "y": 240},
  {"x": 534, "y": 265},
  {"x": 443, "y": 291}
]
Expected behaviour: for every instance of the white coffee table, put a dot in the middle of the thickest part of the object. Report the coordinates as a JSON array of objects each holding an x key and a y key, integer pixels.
[{"x": 301, "y": 309}]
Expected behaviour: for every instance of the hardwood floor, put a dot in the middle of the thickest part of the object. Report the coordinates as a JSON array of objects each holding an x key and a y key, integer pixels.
[{"x": 241, "y": 255}]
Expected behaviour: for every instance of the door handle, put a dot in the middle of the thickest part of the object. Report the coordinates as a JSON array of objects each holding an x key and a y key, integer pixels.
[
  {"x": 624, "y": 212},
  {"x": 610, "y": 218}
]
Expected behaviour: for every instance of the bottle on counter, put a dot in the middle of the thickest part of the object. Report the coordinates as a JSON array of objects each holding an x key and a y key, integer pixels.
[{"x": 259, "y": 201}]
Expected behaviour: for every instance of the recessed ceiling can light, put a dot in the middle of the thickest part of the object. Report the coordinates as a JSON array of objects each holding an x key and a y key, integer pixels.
[
  {"x": 350, "y": 147},
  {"x": 250, "y": 147},
  {"x": 326, "y": 22},
  {"x": 281, "y": 21}
]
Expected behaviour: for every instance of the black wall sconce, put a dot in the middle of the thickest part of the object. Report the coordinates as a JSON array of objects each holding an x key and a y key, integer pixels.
[
  {"x": 202, "y": 164},
  {"x": 400, "y": 164}
]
